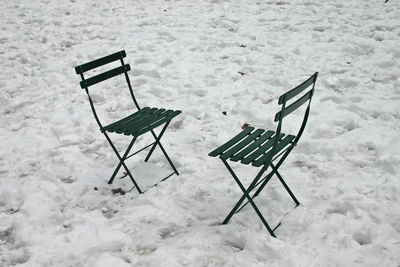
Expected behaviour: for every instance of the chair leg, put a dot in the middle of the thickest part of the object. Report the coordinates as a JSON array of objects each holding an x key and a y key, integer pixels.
[
  {"x": 249, "y": 189},
  {"x": 118, "y": 156},
  {"x": 285, "y": 185},
  {"x": 263, "y": 183},
  {"x": 157, "y": 142},
  {"x": 122, "y": 163},
  {"x": 246, "y": 194},
  {"x": 268, "y": 177},
  {"x": 266, "y": 180}
]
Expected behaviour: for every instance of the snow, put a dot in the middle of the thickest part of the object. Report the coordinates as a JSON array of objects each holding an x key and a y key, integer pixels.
[{"x": 56, "y": 208}]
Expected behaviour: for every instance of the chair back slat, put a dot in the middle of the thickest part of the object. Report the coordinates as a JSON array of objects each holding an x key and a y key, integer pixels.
[
  {"x": 292, "y": 107},
  {"x": 99, "y": 62},
  {"x": 104, "y": 76},
  {"x": 297, "y": 90}
]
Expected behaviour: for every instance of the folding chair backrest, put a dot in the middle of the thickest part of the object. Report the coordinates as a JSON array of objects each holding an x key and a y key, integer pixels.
[
  {"x": 86, "y": 83},
  {"x": 99, "y": 62},
  {"x": 288, "y": 108}
]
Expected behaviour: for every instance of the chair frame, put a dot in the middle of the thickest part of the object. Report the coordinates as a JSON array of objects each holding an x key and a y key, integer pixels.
[
  {"x": 280, "y": 150},
  {"x": 123, "y": 69}
]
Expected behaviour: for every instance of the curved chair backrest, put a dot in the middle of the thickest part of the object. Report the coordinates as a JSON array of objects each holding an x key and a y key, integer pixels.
[
  {"x": 292, "y": 96},
  {"x": 86, "y": 83},
  {"x": 294, "y": 104}
]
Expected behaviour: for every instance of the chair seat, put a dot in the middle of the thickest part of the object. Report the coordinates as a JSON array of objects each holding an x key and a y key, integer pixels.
[
  {"x": 252, "y": 146},
  {"x": 141, "y": 121}
]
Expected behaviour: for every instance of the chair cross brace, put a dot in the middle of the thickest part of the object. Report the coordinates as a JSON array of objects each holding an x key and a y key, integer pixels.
[
  {"x": 125, "y": 156},
  {"x": 246, "y": 195},
  {"x": 256, "y": 182},
  {"x": 122, "y": 161},
  {"x": 266, "y": 179},
  {"x": 157, "y": 142}
]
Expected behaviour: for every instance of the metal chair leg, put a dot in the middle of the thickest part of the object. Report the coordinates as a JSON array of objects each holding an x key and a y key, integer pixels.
[
  {"x": 122, "y": 163},
  {"x": 285, "y": 185},
  {"x": 157, "y": 142},
  {"x": 246, "y": 194}
]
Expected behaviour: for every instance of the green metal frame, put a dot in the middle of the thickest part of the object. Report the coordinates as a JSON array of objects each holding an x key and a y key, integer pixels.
[
  {"x": 261, "y": 148},
  {"x": 140, "y": 122}
]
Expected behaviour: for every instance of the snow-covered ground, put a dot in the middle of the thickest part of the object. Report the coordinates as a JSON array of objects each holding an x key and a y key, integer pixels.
[{"x": 187, "y": 55}]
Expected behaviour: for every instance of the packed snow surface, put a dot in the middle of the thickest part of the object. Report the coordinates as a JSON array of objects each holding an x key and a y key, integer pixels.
[{"x": 224, "y": 64}]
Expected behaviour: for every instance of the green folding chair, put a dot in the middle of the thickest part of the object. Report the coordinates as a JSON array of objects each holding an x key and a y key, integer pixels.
[
  {"x": 142, "y": 121},
  {"x": 265, "y": 149}
]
